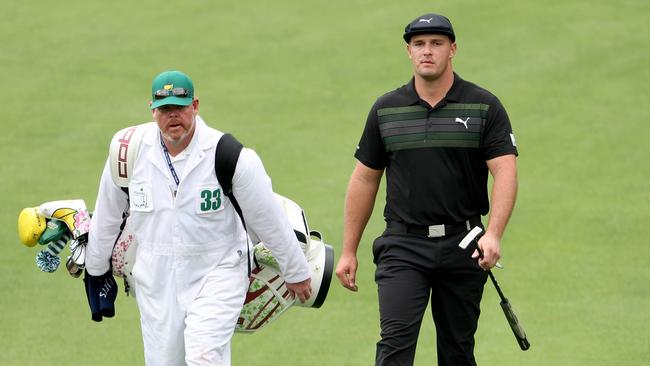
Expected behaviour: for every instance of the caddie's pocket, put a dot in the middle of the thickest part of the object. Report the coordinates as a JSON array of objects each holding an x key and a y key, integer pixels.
[{"x": 140, "y": 197}]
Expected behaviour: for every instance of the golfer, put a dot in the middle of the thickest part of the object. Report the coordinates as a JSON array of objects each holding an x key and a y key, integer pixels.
[{"x": 437, "y": 138}]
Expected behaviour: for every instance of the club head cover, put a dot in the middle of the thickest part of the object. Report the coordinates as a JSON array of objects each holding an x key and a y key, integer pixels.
[
  {"x": 107, "y": 295},
  {"x": 101, "y": 292},
  {"x": 93, "y": 298}
]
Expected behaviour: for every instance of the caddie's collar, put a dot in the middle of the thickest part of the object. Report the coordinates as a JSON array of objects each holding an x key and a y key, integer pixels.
[{"x": 201, "y": 129}]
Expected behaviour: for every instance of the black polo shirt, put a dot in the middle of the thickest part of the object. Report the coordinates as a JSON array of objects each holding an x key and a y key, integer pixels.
[{"x": 435, "y": 157}]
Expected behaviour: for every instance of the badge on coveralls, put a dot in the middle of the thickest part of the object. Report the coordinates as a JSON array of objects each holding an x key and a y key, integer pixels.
[
  {"x": 140, "y": 197},
  {"x": 210, "y": 199}
]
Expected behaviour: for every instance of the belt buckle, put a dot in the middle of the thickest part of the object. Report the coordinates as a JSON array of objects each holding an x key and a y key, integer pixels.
[{"x": 436, "y": 231}]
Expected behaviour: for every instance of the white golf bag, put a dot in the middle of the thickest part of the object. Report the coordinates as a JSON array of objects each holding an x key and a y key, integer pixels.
[{"x": 267, "y": 296}]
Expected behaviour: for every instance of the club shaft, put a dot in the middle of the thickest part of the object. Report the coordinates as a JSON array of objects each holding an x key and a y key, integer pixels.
[
  {"x": 516, "y": 327},
  {"x": 496, "y": 285}
]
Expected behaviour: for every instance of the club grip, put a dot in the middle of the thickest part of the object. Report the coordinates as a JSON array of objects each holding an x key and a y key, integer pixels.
[{"x": 517, "y": 329}]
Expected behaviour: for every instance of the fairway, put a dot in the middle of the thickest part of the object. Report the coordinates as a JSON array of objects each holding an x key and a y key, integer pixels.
[{"x": 294, "y": 80}]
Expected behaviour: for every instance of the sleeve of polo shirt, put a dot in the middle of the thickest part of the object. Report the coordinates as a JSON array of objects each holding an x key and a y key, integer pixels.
[
  {"x": 265, "y": 216},
  {"x": 498, "y": 138},
  {"x": 370, "y": 150}
]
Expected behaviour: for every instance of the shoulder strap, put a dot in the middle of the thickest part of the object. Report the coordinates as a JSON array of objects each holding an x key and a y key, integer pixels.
[
  {"x": 226, "y": 156},
  {"x": 225, "y": 161}
]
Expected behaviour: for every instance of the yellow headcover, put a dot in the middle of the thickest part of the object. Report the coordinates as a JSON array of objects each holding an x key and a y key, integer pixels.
[
  {"x": 66, "y": 215},
  {"x": 31, "y": 225}
]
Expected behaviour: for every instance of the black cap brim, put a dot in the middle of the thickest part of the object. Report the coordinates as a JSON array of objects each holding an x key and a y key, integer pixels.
[{"x": 409, "y": 35}]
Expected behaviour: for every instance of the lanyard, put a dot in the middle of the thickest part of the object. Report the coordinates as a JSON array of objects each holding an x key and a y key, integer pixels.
[{"x": 169, "y": 162}]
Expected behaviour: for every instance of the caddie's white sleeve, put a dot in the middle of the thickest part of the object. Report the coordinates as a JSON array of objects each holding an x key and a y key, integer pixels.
[
  {"x": 105, "y": 224},
  {"x": 265, "y": 216}
]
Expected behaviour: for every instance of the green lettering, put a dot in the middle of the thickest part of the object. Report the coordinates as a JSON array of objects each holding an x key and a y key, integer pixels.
[
  {"x": 206, "y": 204},
  {"x": 217, "y": 199}
]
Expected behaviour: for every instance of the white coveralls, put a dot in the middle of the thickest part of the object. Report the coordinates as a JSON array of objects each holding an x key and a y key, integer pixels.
[{"x": 191, "y": 269}]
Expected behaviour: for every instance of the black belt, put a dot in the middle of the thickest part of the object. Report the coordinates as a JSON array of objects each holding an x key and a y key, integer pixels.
[{"x": 433, "y": 231}]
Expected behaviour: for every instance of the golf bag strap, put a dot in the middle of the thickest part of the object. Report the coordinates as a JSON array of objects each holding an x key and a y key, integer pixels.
[
  {"x": 225, "y": 162},
  {"x": 124, "y": 151}
]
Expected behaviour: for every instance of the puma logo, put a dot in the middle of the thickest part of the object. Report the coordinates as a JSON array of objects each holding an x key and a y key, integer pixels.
[
  {"x": 460, "y": 120},
  {"x": 425, "y": 20}
]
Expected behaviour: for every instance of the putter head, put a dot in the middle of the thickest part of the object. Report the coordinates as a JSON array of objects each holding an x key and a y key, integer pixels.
[{"x": 470, "y": 237}]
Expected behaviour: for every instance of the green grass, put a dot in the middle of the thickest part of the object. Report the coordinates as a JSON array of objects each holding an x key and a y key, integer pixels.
[{"x": 295, "y": 80}]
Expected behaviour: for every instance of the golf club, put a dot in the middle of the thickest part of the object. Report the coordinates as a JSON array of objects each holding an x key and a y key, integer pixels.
[{"x": 517, "y": 329}]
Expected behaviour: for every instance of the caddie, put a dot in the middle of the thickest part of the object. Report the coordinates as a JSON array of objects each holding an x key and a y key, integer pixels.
[{"x": 191, "y": 268}]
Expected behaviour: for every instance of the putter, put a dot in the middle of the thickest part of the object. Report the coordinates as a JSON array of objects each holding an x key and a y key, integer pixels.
[{"x": 517, "y": 329}]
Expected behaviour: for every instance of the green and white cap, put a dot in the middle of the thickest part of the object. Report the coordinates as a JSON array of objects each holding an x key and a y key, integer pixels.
[{"x": 171, "y": 87}]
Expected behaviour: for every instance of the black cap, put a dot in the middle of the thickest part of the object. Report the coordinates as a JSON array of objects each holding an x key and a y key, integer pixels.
[{"x": 429, "y": 24}]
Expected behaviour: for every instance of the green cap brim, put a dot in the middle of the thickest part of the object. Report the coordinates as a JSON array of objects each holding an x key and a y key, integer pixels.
[{"x": 171, "y": 100}]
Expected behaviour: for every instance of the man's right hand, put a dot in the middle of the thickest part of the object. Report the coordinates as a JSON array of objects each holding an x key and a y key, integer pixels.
[
  {"x": 300, "y": 290},
  {"x": 346, "y": 271}
]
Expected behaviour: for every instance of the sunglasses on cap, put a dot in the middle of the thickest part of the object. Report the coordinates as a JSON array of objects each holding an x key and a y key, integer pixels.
[{"x": 177, "y": 92}]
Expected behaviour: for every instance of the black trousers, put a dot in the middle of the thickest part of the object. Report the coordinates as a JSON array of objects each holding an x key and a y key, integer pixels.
[{"x": 411, "y": 270}]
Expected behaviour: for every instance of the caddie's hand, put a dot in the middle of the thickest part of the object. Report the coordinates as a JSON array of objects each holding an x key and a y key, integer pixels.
[
  {"x": 346, "y": 271},
  {"x": 490, "y": 247},
  {"x": 101, "y": 292},
  {"x": 301, "y": 290}
]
